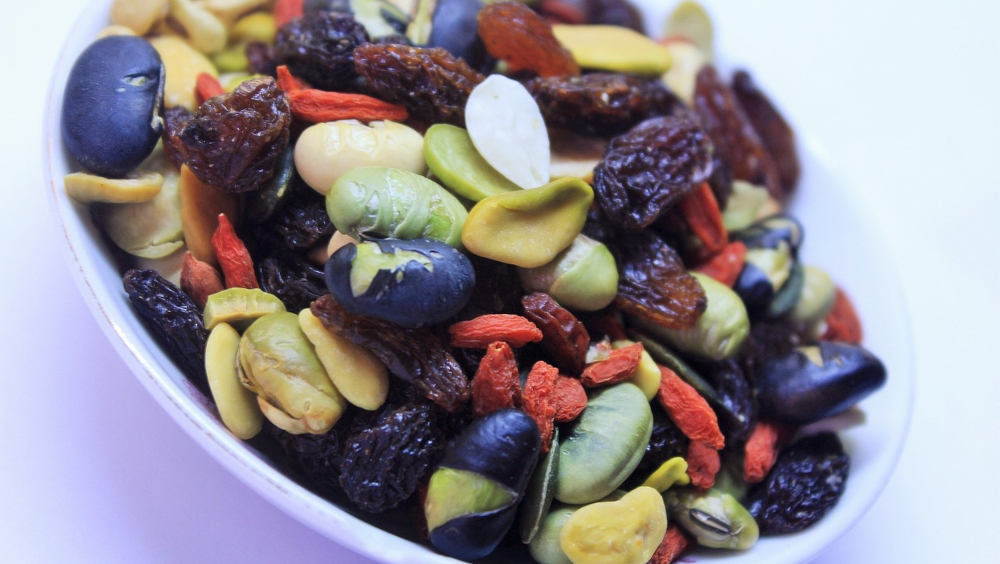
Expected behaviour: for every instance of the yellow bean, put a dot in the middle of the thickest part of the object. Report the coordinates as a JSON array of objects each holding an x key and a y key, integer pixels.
[
  {"x": 183, "y": 65},
  {"x": 138, "y": 15}
]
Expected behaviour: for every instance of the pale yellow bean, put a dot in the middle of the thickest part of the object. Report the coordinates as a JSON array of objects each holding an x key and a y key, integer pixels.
[
  {"x": 205, "y": 32},
  {"x": 138, "y": 15}
]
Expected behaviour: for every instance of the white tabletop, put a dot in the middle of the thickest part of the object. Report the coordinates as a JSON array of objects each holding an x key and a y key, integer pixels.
[{"x": 904, "y": 95}]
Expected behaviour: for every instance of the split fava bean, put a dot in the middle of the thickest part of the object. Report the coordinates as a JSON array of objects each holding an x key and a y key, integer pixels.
[
  {"x": 239, "y": 307},
  {"x": 540, "y": 493},
  {"x": 817, "y": 297},
  {"x": 714, "y": 518},
  {"x": 356, "y": 373},
  {"x": 647, "y": 375},
  {"x": 583, "y": 277},
  {"x": 670, "y": 473},
  {"x": 183, "y": 64},
  {"x": 204, "y": 30},
  {"x": 454, "y": 160},
  {"x": 528, "y": 228},
  {"x": 138, "y": 15},
  {"x": 237, "y": 405},
  {"x": 86, "y": 188},
  {"x": 387, "y": 202},
  {"x": 326, "y": 151},
  {"x": 613, "y": 48},
  {"x": 627, "y": 531}
]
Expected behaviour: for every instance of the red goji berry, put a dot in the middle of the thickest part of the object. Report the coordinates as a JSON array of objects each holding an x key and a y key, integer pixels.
[
  {"x": 703, "y": 464},
  {"x": 675, "y": 542},
  {"x": 199, "y": 280},
  {"x": 237, "y": 266},
  {"x": 497, "y": 383},
  {"x": 286, "y": 11},
  {"x": 538, "y": 399},
  {"x": 480, "y": 332},
  {"x": 761, "y": 450},
  {"x": 688, "y": 410},
  {"x": 726, "y": 265},
  {"x": 842, "y": 322},
  {"x": 570, "y": 399},
  {"x": 701, "y": 211},
  {"x": 207, "y": 86},
  {"x": 286, "y": 81},
  {"x": 319, "y": 106},
  {"x": 618, "y": 367}
]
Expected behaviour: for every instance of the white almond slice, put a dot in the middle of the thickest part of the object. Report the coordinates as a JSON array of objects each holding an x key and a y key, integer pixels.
[{"x": 508, "y": 130}]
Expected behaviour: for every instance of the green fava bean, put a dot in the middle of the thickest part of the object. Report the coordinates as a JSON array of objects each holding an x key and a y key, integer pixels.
[
  {"x": 545, "y": 547},
  {"x": 528, "y": 228},
  {"x": 626, "y": 531},
  {"x": 714, "y": 518},
  {"x": 817, "y": 296},
  {"x": 240, "y": 307},
  {"x": 394, "y": 203},
  {"x": 720, "y": 331},
  {"x": 583, "y": 277},
  {"x": 453, "y": 158},
  {"x": 604, "y": 445}
]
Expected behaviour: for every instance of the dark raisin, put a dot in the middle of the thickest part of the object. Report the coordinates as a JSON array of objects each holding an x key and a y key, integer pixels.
[
  {"x": 260, "y": 55},
  {"x": 300, "y": 224},
  {"x": 564, "y": 336},
  {"x": 806, "y": 481},
  {"x": 721, "y": 180},
  {"x": 602, "y": 104},
  {"x": 648, "y": 169},
  {"x": 666, "y": 442},
  {"x": 383, "y": 466},
  {"x": 414, "y": 355},
  {"x": 432, "y": 84},
  {"x": 316, "y": 458},
  {"x": 734, "y": 137},
  {"x": 235, "y": 139},
  {"x": 653, "y": 283},
  {"x": 174, "y": 120},
  {"x": 174, "y": 320},
  {"x": 515, "y": 33},
  {"x": 319, "y": 47},
  {"x": 774, "y": 131},
  {"x": 740, "y": 412},
  {"x": 292, "y": 278}
]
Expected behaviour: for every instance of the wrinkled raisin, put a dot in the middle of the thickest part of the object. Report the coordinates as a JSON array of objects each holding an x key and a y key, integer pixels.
[
  {"x": 615, "y": 12},
  {"x": 432, "y": 84},
  {"x": 316, "y": 458},
  {"x": 293, "y": 279},
  {"x": 260, "y": 56},
  {"x": 648, "y": 169},
  {"x": 319, "y": 47},
  {"x": 603, "y": 104},
  {"x": 414, "y": 355},
  {"x": 806, "y": 481},
  {"x": 382, "y": 466},
  {"x": 235, "y": 139},
  {"x": 734, "y": 137},
  {"x": 653, "y": 283},
  {"x": 301, "y": 224},
  {"x": 174, "y": 320},
  {"x": 666, "y": 442},
  {"x": 174, "y": 120},
  {"x": 774, "y": 131},
  {"x": 564, "y": 336},
  {"x": 515, "y": 33}
]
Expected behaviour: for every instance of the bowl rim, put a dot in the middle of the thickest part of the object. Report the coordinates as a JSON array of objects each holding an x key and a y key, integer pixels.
[{"x": 324, "y": 516}]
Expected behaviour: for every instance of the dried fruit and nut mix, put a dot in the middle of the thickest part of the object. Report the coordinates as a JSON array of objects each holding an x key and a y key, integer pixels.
[{"x": 482, "y": 262}]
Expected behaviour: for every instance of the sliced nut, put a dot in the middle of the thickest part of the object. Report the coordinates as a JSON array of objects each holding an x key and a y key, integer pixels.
[
  {"x": 237, "y": 405},
  {"x": 86, "y": 188},
  {"x": 183, "y": 65}
]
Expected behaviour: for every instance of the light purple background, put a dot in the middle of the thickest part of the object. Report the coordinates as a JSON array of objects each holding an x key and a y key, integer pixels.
[{"x": 902, "y": 94}]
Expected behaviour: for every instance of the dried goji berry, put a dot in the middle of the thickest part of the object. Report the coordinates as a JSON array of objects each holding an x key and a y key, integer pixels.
[
  {"x": 320, "y": 106},
  {"x": 480, "y": 332},
  {"x": 566, "y": 339},
  {"x": 618, "y": 367},
  {"x": 726, "y": 265},
  {"x": 701, "y": 211},
  {"x": 286, "y": 81},
  {"x": 199, "y": 280},
  {"x": 761, "y": 450},
  {"x": 570, "y": 399},
  {"x": 688, "y": 410},
  {"x": 514, "y": 33},
  {"x": 843, "y": 323},
  {"x": 703, "y": 464},
  {"x": 207, "y": 86},
  {"x": 538, "y": 399},
  {"x": 497, "y": 383},
  {"x": 286, "y": 11},
  {"x": 237, "y": 266},
  {"x": 675, "y": 542}
]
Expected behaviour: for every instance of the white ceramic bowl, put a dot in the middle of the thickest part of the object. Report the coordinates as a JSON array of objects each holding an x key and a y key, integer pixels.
[{"x": 855, "y": 257}]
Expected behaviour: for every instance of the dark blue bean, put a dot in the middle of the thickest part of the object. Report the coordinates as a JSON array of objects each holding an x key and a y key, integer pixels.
[
  {"x": 410, "y": 283},
  {"x": 814, "y": 382},
  {"x": 455, "y": 27},
  {"x": 113, "y": 104}
]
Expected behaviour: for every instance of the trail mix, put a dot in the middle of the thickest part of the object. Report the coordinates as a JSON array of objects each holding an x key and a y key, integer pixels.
[{"x": 512, "y": 267}]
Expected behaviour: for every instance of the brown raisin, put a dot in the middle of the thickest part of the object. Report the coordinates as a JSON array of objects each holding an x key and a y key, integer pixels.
[
  {"x": 300, "y": 224},
  {"x": 732, "y": 133},
  {"x": 431, "y": 83},
  {"x": 174, "y": 120},
  {"x": 653, "y": 283},
  {"x": 234, "y": 141},
  {"x": 564, "y": 336},
  {"x": 648, "y": 169},
  {"x": 414, "y": 355},
  {"x": 602, "y": 104},
  {"x": 260, "y": 56},
  {"x": 382, "y": 466},
  {"x": 319, "y": 47},
  {"x": 174, "y": 320},
  {"x": 292, "y": 278},
  {"x": 774, "y": 131},
  {"x": 515, "y": 33}
]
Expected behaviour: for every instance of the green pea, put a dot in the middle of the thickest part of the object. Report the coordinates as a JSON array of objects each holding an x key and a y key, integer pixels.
[
  {"x": 528, "y": 228},
  {"x": 394, "y": 203},
  {"x": 720, "y": 331},
  {"x": 583, "y": 277},
  {"x": 453, "y": 158}
]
